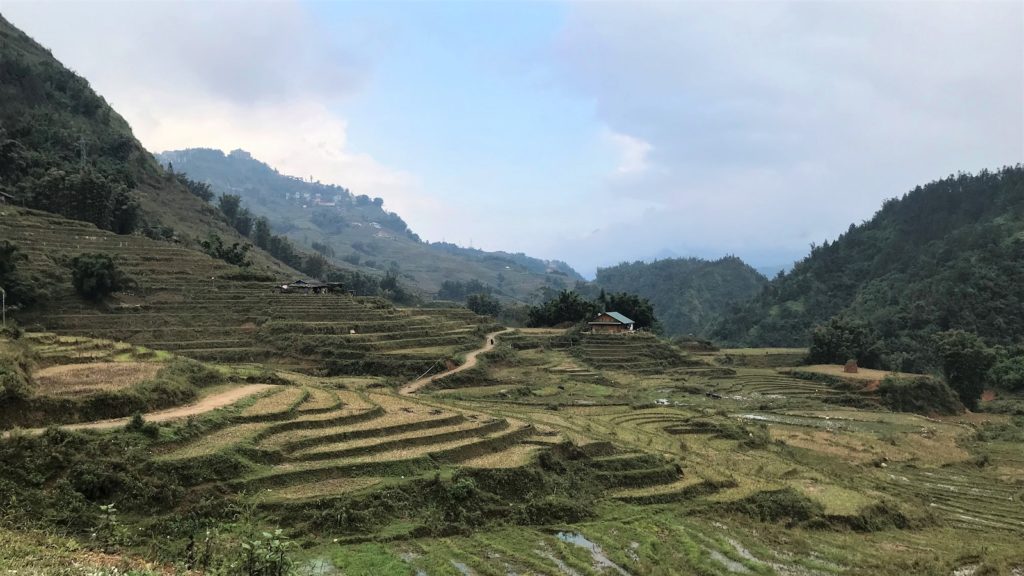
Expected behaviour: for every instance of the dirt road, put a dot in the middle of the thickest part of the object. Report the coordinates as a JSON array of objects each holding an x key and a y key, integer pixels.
[
  {"x": 207, "y": 404},
  {"x": 470, "y": 362}
]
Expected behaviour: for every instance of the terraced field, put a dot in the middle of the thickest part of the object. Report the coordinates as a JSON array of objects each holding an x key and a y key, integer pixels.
[
  {"x": 966, "y": 499},
  {"x": 193, "y": 305},
  {"x": 633, "y": 352},
  {"x": 761, "y": 384}
]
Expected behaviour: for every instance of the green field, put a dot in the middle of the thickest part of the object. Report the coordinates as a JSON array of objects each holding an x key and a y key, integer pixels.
[{"x": 546, "y": 459}]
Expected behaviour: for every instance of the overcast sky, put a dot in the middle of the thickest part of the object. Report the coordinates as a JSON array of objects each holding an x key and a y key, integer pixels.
[{"x": 589, "y": 132}]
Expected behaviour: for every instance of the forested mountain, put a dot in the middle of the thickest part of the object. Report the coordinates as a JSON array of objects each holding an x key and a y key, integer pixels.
[
  {"x": 354, "y": 231},
  {"x": 947, "y": 255},
  {"x": 64, "y": 150},
  {"x": 689, "y": 294}
]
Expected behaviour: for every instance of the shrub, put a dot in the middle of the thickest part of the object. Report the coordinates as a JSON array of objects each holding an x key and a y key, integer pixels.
[
  {"x": 96, "y": 276},
  {"x": 965, "y": 362},
  {"x": 1008, "y": 374},
  {"x": 192, "y": 372},
  {"x": 15, "y": 373},
  {"x": 778, "y": 505},
  {"x": 919, "y": 395}
]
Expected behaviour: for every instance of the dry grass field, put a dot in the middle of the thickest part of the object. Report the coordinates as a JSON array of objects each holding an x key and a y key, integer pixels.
[
  {"x": 866, "y": 374},
  {"x": 71, "y": 380}
]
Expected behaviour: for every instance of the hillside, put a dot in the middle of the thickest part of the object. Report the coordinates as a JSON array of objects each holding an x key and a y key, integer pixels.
[
  {"x": 689, "y": 294},
  {"x": 947, "y": 255},
  {"x": 358, "y": 233},
  {"x": 191, "y": 304},
  {"x": 63, "y": 149}
]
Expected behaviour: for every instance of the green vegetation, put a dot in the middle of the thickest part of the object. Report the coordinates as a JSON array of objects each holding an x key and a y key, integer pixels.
[
  {"x": 945, "y": 256},
  {"x": 919, "y": 395},
  {"x": 96, "y": 276},
  {"x": 568, "y": 307},
  {"x": 19, "y": 290},
  {"x": 559, "y": 452},
  {"x": 360, "y": 235},
  {"x": 688, "y": 294},
  {"x": 965, "y": 362}
]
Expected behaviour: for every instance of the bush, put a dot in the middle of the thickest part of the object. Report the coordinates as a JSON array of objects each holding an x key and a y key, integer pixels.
[
  {"x": 919, "y": 395},
  {"x": 965, "y": 362},
  {"x": 96, "y": 276},
  {"x": 1008, "y": 374},
  {"x": 778, "y": 505},
  {"x": 15, "y": 373},
  {"x": 192, "y": 372}
]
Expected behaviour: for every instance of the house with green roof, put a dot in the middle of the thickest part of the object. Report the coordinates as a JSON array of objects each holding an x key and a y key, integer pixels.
[{"x": 610, "y": 322}]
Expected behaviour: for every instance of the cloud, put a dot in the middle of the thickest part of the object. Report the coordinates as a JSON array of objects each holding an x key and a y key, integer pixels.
[
  {"x": 632, "y": 153},
  {"x": 225, "y": 75},
  {"x": 770, "y": 125}
]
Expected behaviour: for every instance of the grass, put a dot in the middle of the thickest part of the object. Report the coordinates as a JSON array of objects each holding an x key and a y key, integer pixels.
[
  {"x": 332, "y": 486},
  {"x": 867, "y": 374},
  {"x": 73, "y": 380},
  {"x": 216, "y": 441},
  {"x": 513, "y": 457},
  {"x": 736, "y": 434},
  {"x": 280, "y": 401}
]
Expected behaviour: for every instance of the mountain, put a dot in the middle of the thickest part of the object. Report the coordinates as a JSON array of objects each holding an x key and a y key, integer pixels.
[
  {"x": 689, "y": 294},
  {"x": 64, "y": 150},
  {"x": 947, "y": 255},
  {"x": 356, "y": 232}
]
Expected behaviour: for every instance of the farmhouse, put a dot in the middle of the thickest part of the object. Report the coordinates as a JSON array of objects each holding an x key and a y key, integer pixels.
[
  {"x": 611, "y": 322},
  {"x": 310, "y": 287}
]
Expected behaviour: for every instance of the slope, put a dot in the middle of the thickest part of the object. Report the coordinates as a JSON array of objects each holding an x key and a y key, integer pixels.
[
  {"x": 64, "y": 150},
  {"x": 947, "y": 255},
  {"x": 689, "y": 294},
  {"x": 193, "y": 305},
  {"x": 356, "y": 232}
]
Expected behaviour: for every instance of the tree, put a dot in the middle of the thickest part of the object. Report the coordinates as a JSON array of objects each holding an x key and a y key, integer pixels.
[
  {"x": 639, "y": 310},
  {"x": 1008, "y": 374},
  {"x": 261, "y": 233},
  {"x": 323, "y": 249},
  {"x": 566, "y": 307},
  {"x": 965, "y": 362},
  {"x": 229, "y": 205},
  {"x": 243, "y": 221},
  {"x": 843, "y": 339},
  {"x": 315, "y": 265},
  {"x": 483, "y": 304},
  {"x": 96, "y": 276},
  {"x": 236, "y": 253},
  {"x": 18, "y": 291}
]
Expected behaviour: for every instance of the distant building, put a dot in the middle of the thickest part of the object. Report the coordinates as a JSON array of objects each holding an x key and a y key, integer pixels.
[
  {"x": 311, "y": 287},
  {"x": 6, "y": 198},
  {"x": 611, "y": 322}
]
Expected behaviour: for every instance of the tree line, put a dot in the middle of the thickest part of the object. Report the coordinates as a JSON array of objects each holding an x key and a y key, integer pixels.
[{"x": 569, "y": 307}]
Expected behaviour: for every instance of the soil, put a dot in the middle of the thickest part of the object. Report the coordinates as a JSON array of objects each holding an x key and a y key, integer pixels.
[
  {"x": 470, "y": 362},
  {"x": 212, "y": 402}
]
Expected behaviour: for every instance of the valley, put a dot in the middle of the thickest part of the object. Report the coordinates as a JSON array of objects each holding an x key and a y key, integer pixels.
[{"x": 210, "y": 367}]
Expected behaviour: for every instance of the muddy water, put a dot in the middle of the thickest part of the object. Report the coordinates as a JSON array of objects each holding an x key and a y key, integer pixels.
[{"x": 596, "y": 554}]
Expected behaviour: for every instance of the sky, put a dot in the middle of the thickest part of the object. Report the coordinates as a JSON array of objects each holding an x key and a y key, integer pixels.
[{"x": 590, "y": 132}]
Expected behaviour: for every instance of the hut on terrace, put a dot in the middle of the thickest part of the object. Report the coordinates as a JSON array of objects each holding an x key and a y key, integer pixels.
[{"x": 610, "y": 322}]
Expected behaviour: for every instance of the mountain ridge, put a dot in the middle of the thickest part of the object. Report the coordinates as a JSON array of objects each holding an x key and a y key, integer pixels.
[
  {"x": 359, "y": 233},
  {"x": 946, "y": 255}
]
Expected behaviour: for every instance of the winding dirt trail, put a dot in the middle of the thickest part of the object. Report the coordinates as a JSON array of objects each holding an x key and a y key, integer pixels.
[
  {"x": 207, "y": 404},
  {"x": 470, "y": 362}
]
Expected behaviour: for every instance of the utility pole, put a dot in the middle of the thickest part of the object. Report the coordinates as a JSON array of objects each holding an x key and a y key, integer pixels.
[{"x": 3, "y": 305}]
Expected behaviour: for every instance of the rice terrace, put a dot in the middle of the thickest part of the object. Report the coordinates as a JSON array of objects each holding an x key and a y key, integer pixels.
[{"x": 209, "y": 366}]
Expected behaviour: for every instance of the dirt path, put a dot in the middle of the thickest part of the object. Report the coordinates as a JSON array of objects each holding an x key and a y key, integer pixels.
[
  {"x": 207, "y": 404},
  {"x": 470, "y": 362}
]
